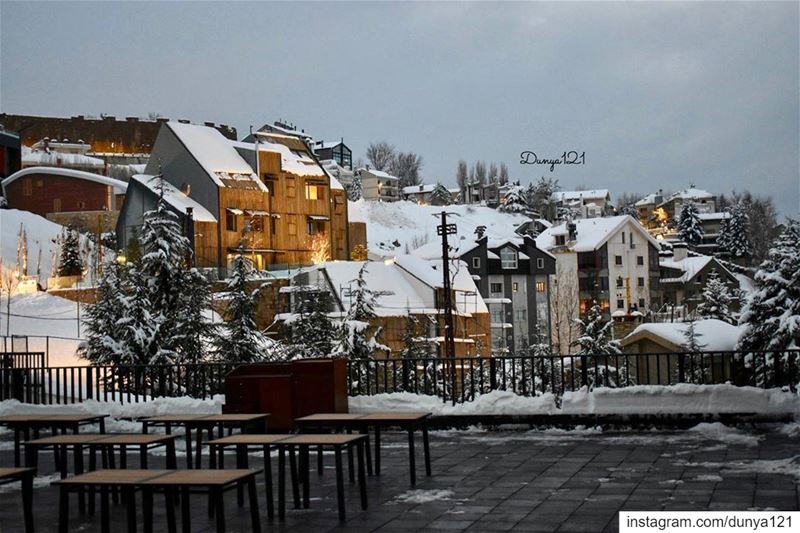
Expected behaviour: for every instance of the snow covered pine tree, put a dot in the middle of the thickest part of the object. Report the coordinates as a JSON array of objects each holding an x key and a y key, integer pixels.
[
  {"x": 689, "y": 227},
  {"x": 595, "y": 339},
  {"x": 514, "y": 201},
  {"x": 70, "y": 262},
  {"x": 716, "y": 300},
  {"x": 440, "y": 195},
  {"x": 734, "y": 240},
  {"x": 771, "y": 314}
]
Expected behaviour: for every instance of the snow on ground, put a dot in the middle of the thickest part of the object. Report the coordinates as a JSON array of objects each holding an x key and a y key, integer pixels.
[
  {"x": 722, "y": 433},
  {"x": 411, "y": 225},
  {"x": 155, "y": 407},
  {"x": 41, "y": 315},
  {"x": 789, "y": 466},
  {"x": 495, "y": 402},
  {"x": 424, "y": 496},
  {"x": 41, "y": 234}
]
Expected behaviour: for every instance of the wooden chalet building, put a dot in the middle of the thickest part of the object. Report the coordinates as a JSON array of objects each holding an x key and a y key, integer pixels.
[{"x": 270, "y": 200}]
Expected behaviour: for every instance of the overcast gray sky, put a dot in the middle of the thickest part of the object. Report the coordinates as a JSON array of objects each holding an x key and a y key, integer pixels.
[{"x": 656, "y": 94}]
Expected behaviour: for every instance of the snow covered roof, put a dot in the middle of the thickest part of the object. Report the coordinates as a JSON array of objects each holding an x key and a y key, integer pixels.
[
  {"x": 714, "y": 216},
  {"x": 715, "y": 334},
  {"x": 592, "y": 233},
  {"x": 647, "y": 200},
  {"x": 570, "y": 196},
  {"x": 55, "y": 158},
  {"x": 690, "y": 193},
  {"x": 176, "y": 198},
  {"x": 214, "y": 152},
  {"x": 690, "y": 267},
  {"x": 419, "y": 189},
  {"x": 430, "y": 272},
  {"x": 119, "y": 186},
  {"x": 380, "y": 174}
]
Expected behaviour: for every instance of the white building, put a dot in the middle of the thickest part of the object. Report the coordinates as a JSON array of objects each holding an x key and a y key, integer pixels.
[{"x": 379, "y": 185}]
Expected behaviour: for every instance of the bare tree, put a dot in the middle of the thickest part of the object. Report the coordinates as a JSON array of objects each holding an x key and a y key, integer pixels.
[
  {"x": 480, "y": 172},
  {"x": 502, "y": 179},
  {"x": 492, "y": 172},
  {"x": 462, "y": 174},
  {"x": 9, "y": 281},
  {"x": 407, "y": 167},
  {"x": 381, "y": 155},
  {"x": 563, "y": 309}
]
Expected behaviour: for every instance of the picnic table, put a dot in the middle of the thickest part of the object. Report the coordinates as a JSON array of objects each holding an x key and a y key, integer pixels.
[
  {"x": 407, "y": 421},
  {"x": 246, "y": 423},
  {"x": 24, "y": 424},
  {"x": 25, "y": 476},
  {"x": 171, "y": 483}
]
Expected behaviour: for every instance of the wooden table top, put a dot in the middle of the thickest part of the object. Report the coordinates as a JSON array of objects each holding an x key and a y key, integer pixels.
[
  {"x": 329, "y": 417},
  {"x": 249, "y": 439},
  {"x": 112, "y": 477},
  {"x": 50, "y": 419},
  {"x": 56, "y": 440},
  {"x": 203, "y": 478},
  {"x": 336, "y": 439},
  {"x": 233, "y": 417},
  {"x": 395, "y": 417},
  {"x": 13, "y": 473},
  {"x": 175, "y": 419},
  {"x": 134, "y": 439}
]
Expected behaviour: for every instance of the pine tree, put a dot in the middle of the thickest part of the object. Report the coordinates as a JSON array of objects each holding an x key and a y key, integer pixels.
[
  {"x": 356, "y": 343},
  {"x": 695, "y": 366},
  {"x": 441, "y": 196},
  {"x": 70, "y": 262},
  {"x": 312, "y": 332},
  {"x": 771, "y": 315},
  {"x": 514, "y": 201},
  {"x": 734, "y": 240},
  {"x": 692, "y": 342},
  {"x": 354, "y": 190},
  {"x": 595, "y": 339},
  {"x": 716, "y": 300},
  {"x": 690, "y": 228},
  {"x": 106, "y": 334},
  {"x": 240, "y": 340}
]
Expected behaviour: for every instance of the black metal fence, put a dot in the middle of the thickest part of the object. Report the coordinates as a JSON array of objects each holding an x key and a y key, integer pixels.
[{"x": 455, "y": 380}]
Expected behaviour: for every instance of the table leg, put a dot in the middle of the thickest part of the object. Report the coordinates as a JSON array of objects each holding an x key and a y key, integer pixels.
[
  {"x": 123, "y": 456},
  {"x": 304, "y": 473},
  {"x": 129, "y": 497},
  {"x": 92, "y": 468},
  {"x": 377, "y": 450},
  {"x": 63, "y": 469},
  {"x": 169, "y": 501},
  {"x": 340, "y": 483},
  {"x": 77, "y": 453},
  {"x": 411, "y": 459},
  {"x": 31, "y": 455},
  {"x": 63, "y": 509},
  {"x": 56, "y": 451},
  {"x": 143, "y": 456},
  {"x": 145, "y": 426},
  {"x": 212, "y": 457},
  {"x": 293, "y": 473},
  {"x": 320, "y": 466},
  {"x": 147, "y": 509},
  {"x": 27, "y": 501},
  {"x": 172, "y": 461},
  {"x": 17, "y": 445},
  {"x": 241, "y": 463},
  {"x": 281, "y": 482},
  {"x": 427, "y": 448},
  {"x": 198, "y": 452},
  {"x": 112, "y": 464},
  {"x": 368, "y": 451},
  {"x": 220, "y": 502},
  {"x": 188, "y": 447},
  {"x": 268, "y": 481},
  {"x": 362, "y": 482},
  {"x": 102, "y": 424},
  {"x": 186, "y": 516},
  {"x": 255, "y": 519},
  {"x": 105, "y": 526}
]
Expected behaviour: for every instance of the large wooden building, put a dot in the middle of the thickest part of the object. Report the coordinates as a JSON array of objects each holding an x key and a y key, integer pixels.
[{"x": 270, "y": 200}]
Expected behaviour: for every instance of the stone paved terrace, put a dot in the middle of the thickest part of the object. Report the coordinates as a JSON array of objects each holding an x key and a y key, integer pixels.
[{"x": 511, "y": 481}]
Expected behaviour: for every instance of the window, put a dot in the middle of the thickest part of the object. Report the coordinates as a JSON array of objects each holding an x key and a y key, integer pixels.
[
  {"x": 27, "y": 187},
  {"x": 641, "y": 303},
  {"x": 540, "y": 286},
  {"x": 620, "y": 282},
  {"x": 291, "y": 188},
  {"x": 230, "y": 221},
  {"x": 81, "y": 205},
  {"x": 496, "y": 288},
  {"x": 273, "y": 225},
  {"x": 540, "y": 263},
  {"x": 315, "y": 192},
  {"x": 640, "y": 282},
  {"x": 310, "y": 227},
  {"x": 640, "y": 260},
  {"x": 476, "y": 262},
  {"x": 515, "y": 286},
  {"x": 292, "y": 227},
  {"x": 508, "y": 258},
  {"x": 57, "y": 205},
  {"x": 522, "y": 315},
  {"x": 497, "y": 315},
  {"x": 561, "y": 240},
  {"x": 620, "y": 304},
  {"x": 618, "y": 260},
  {"x": 603, "y": 283},
  {"x": 623, "y": 237}
]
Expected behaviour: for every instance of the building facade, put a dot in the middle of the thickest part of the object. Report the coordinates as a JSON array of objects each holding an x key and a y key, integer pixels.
[{"x": 378, "y": 185}]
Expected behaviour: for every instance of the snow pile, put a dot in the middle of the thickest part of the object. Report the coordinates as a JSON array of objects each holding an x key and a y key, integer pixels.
[
  {"x": 423, "y": 496},
  {"x": 398, "y": 227},
  {"x": 155, "y": 407},
  {"x": 493, "y": 403},
  {"x": 680, "y": 399},
  {"x": 722, "y": 433}
]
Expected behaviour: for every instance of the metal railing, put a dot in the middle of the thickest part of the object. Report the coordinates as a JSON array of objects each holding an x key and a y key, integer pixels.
[{"x": 456, "y": 380}]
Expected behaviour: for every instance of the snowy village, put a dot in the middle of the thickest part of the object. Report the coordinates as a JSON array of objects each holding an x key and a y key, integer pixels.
[{"x": 203, "y": 319}]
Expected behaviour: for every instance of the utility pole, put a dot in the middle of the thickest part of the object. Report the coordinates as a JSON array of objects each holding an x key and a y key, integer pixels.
[{"x": 444, "y": 230}]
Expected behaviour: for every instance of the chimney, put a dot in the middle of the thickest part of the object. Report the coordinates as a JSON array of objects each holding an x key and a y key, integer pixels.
[
  {"x": 679, "y": 251},
  {"x": 479, "y": 231},
  {"x": 209, "y": 124},
  {"x": 572, "y": 230}
]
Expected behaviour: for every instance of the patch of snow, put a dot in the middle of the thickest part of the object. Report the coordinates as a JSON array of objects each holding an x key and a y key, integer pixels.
[
  {"x": 154, "y": 407},
  {"x": 424, "y": 496},
  {"x": 708, "y": 477},
  {"x": 720, "y": 432},
  {"x": 495, "y": 402}
]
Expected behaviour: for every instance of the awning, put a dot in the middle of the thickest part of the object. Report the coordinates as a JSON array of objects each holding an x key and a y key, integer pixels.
[
  {"x": 234, "y": 211},
  {"x": 318, "y": 217}
]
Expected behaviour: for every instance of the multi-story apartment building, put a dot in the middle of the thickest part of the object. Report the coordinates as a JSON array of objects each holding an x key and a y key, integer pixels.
[
  {"x": 379, "y": 185},
  {"x": 612, "y": 261},
  {"x": 270, "y": 199},
  {"x": 513, "y": 277}
]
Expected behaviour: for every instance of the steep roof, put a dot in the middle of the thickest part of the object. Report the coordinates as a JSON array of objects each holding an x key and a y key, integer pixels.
[
  {"x": 119, "y": 186},
  {"x": 175, "y": 198},
  {"x": 381, "y": 174},
  {"x": 592, "y": 233}
]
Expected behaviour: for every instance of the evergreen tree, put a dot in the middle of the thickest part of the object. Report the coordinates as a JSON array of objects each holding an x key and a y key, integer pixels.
[
  {"x": 690, "y": 228},
  {"x": 354, "y": 190},
  {"x": 105, "y": 329},
  {"x": 692, "y": 342},
  {"x": 595, "y": 334},
  {"x": 70, "y": 262},
  {"x": 356, "y": 343},
  {"x": 312, "y": 332},
  {"x": 716, "y": 300},
  {"x": 771, "y": 315},
  {"x": 734, "y": 240},
  {"x": 240, "y": 340},
  {"x": 697, "y": 368},
  {"x": 514, "y": 201},
  {"x": 441, "y": 196}
]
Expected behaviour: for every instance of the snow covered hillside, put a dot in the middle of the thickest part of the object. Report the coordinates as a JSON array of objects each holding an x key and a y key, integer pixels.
[
  {"x": 41, "y": 234},
  {"x": 399, "y": 227}
]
